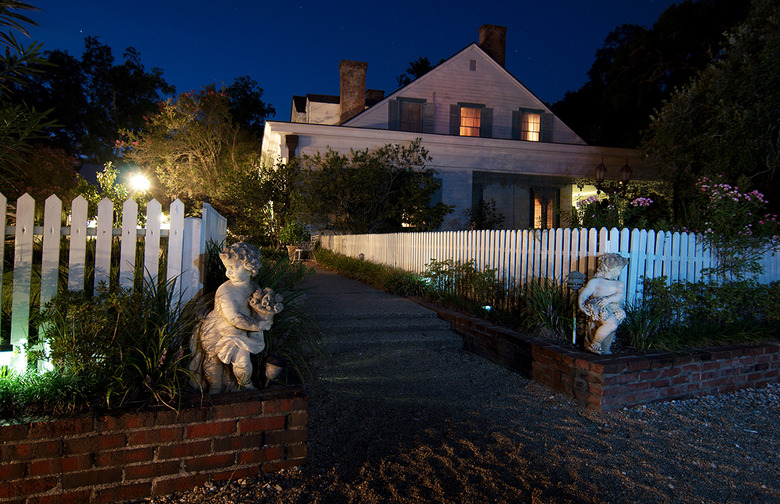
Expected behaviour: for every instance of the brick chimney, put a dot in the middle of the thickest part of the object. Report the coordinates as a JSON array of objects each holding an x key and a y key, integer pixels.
[
  {"x": 492, "y": 40},
  {"x": 353, "y": 89}
]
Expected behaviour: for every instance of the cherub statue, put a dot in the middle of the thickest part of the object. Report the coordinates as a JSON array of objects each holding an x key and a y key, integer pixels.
[
  {"x": 233, "y": 330},
  {"x": 601, "y": 300}
]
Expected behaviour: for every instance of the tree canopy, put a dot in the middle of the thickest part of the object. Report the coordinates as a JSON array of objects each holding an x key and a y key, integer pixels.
[
  {"x": 638, "y": 68},
  {"x": 726, "y": 121}
]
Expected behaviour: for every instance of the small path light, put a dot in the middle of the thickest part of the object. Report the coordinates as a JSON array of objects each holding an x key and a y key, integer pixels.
[{"x": 575, "y": 281}]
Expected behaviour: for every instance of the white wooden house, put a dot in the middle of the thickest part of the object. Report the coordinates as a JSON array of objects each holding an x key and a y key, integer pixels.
[{"x": 490, "y": 137}]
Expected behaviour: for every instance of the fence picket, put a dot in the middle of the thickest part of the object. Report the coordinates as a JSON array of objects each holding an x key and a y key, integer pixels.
[
  {"x": 22, "y": 276},
  {"x": 50, "y": 258},
  {"x": 105, "y": 221},
  {"x": 77, "y": 255}
]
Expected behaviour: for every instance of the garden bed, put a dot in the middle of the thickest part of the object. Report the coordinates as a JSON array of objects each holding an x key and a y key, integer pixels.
[
  {"x": 608, "y": 382},
  {"x": 135, "y": 454}
]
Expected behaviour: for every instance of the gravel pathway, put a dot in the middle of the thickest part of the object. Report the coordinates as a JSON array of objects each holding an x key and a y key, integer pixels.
[{"x": 397, "y": 423}]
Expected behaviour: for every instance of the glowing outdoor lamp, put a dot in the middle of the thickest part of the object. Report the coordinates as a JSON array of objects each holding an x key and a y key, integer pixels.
[{"x": 139, "y": 182}]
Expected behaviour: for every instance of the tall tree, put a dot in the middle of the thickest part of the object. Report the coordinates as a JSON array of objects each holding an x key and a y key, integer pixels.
[
  {"x": 727, "y": 121},
  {"x": 415, "y": 70},
  {"x": 95, "y": 97},
  {"x": 198, "y": 152},
  {"x": 638, "y": 68},
  {"x": 246, "y": 107}
]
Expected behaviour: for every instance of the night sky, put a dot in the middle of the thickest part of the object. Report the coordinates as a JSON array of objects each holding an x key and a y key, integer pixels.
[{"x": 291, "y": 47}]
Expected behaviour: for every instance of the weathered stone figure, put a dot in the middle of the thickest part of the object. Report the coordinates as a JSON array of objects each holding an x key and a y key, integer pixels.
[
  {"x": 601, "y": 300},
  {"x": 233, "y": 330}
]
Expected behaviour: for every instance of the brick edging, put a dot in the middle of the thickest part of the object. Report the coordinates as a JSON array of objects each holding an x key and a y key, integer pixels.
[
  {"x": 117, "y": 457},
  {"x": 608, "y": 382}
]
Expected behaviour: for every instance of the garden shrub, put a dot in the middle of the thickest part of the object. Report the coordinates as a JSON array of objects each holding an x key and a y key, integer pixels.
[{"x": 548, "y": 308}]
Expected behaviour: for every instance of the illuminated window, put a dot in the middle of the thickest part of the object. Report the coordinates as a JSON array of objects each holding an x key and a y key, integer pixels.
[
  {"x": 532, "y": 127},
  {"x": 470, "y": 119},
  {"x": 411, "y": 116}
]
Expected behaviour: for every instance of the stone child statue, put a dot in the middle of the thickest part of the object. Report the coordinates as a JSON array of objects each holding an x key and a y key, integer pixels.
[
  {"x": 601, "y": 300},
  {"x": 233, "y": 330}
]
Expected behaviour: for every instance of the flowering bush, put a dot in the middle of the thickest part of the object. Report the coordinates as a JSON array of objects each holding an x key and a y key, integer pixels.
[
  {"x": 621, "y": 211},
  {"x": 736, "y": 227}
]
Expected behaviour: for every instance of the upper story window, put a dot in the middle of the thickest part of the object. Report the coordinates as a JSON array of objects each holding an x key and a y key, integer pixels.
[
  {"x": 470, "y": 121},
  {"x": 411, "y": 116},
  {"x": 531, "y": 127}
]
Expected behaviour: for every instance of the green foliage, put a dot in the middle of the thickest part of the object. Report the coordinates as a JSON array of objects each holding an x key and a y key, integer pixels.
[
  {"x": 455, "y": 282},
  {"x": 736, "y": 226},
  {"x": 548, "y": 308},
  {"x": 198, "y": 152},
  {"x": 725, "y": 121},
  {"x": 294, "y": 232},
  {"x": 484, "y": 216},
  {"x": 137, "y": 341},
  {"x": 363, "y": 192},
  {"x": 690, "y": 315}
]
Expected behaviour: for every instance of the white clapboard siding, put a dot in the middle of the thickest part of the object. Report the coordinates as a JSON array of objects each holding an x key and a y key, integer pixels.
[{"x": 184, "y": 253}]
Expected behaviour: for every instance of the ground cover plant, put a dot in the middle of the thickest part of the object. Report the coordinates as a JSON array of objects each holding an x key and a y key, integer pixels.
[{"x": 117, "y": 348}]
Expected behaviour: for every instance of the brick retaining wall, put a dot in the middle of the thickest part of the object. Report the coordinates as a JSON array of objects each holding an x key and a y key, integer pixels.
[
  {"x": 115, "y": 458},
  {"x": 608, "y": 382}
]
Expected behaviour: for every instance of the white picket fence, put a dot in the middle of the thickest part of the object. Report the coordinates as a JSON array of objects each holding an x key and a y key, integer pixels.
[
  {"x": 522, "y": 255},
  {"x": 185, "y": 249}
]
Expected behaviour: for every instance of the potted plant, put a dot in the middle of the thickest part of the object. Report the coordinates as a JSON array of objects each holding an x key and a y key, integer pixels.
[{"x": 292, "y": 235}]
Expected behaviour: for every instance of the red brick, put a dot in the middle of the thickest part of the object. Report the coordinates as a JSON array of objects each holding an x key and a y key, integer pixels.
[
  {"x": 155, "y": 436},
  {"x": 237, "y": 410},
  {"x": 260, "y": 456},
  {"x": 27, "y": 486},
  {"x": 282, "y": 464},
  {"x": 60, "y": 428},
  {"x": 29, "y": 450},
  {"x": 91, "y": 477},
  {"x": 210, "y": 429},
  {"x": 210, "y": 462},
  {"x": 15, "y": 432},
  {"x": 76, "y": 462},
  {"x": 122, "y": 493},
  {"x": 261, "y": 424},
  {"x": 234, "y": 443},
  {"x": 44, "y": 467},
  {"x": 124, "y": 457},
  {"x": 296, "y": 451},
  {"x": 11, "y": 470},
  {"x": 124, "y": 421},
  {"x": 668, "y": 373},
  {"x": 184, "y": 416},
  {"x": 638, "y": 365},
  {"x": 178, "y": 484},
  {"x": 153, "y": 470},
  {"x": 180, "y": 450},
  {"x": 95, "y": 443},
  {"x": 285, "y": 405},
  {"x": 72, "y": 497}
]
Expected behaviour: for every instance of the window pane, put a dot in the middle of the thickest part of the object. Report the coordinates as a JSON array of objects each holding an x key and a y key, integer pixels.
[
  {"x": 470, "y": 121},
  {"x": 532, "y": 127},
  {"x": 411, "y": 116}
]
